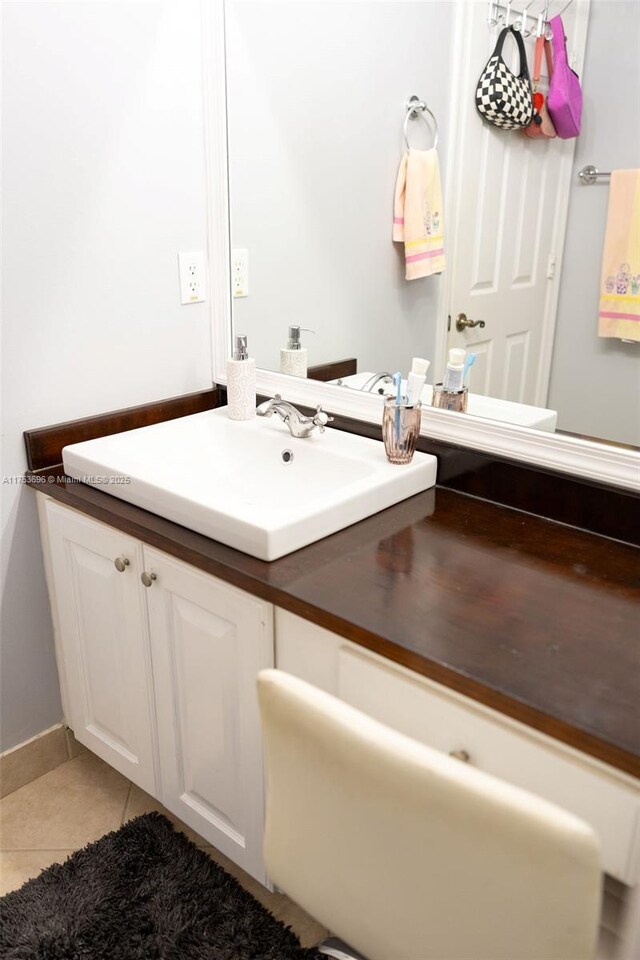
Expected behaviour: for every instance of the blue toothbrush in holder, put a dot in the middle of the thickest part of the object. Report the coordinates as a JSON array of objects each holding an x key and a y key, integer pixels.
[
  {"x": 397, "y": 382},
  {"x": 400, "y": 425}
]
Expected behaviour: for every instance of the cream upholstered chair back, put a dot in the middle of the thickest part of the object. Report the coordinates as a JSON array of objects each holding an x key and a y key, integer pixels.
[{"x": 408, "y": 854}]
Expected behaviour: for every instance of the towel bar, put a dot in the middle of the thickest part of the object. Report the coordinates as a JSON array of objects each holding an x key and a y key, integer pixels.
[{"x": 591, "y": 174}]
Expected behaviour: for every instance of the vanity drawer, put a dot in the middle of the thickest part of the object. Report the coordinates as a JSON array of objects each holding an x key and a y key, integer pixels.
[{"x": 451, "y": 723}]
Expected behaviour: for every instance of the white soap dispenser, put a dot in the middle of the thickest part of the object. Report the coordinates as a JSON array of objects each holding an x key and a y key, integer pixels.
[
  {"x": 293, "y": 357},
  {"x": 241, "y": 382}
]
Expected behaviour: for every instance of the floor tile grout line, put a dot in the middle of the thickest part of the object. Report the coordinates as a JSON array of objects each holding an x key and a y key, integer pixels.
[
  {"x": 44, "y": 849},
  {"x": 126, "y": 804}
]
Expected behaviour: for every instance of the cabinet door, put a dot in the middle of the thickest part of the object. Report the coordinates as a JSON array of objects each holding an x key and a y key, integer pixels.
[
  {"x": 104, "y": 641},
  {"x": 209, "y": 640}
]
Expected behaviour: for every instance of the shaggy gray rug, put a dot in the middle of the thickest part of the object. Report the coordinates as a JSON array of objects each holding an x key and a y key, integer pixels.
[{"x": 144, "y": 892}]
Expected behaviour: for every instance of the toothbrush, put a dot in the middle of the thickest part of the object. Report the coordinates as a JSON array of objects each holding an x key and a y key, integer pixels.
[
  {"x": 468, "y": 363},
  {"x": 397, "y": 382}
]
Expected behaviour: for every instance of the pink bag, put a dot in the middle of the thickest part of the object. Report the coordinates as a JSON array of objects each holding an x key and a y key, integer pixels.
[{"x": 565, "y": 96}]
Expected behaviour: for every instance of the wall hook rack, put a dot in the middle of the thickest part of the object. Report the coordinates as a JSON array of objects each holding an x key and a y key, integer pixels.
[{"x": 500, "y": 14}]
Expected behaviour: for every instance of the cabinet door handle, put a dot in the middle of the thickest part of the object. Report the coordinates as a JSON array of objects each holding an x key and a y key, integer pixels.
[
  {"x": 121, "y": 564},
  {"x": 148, "y": 578},
  {"x": 460, "y": 755}
]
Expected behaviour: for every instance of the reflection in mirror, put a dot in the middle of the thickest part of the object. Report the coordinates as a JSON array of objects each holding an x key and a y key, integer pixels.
[{"x": 317, "y": 103}]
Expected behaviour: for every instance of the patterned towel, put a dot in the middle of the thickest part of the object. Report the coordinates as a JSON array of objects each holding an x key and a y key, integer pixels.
[
  {"x": 417, "y": 214},
  {"x": 620, "y": 283}
]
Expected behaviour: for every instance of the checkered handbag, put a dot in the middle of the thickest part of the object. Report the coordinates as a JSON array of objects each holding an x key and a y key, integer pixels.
[{"x": 502, "y": 98}]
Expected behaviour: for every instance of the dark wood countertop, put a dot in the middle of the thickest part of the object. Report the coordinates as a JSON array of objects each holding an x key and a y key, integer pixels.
[{"x": 533, "y": 618}]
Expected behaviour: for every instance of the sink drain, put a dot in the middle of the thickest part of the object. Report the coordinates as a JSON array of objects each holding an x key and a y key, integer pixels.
[{"x": 287, "y": 456}]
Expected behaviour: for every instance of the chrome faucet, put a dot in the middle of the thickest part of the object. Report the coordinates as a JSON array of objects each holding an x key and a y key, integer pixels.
[
  {"x": 386, "y": 378},
  {"x": 299, "y": 425}
]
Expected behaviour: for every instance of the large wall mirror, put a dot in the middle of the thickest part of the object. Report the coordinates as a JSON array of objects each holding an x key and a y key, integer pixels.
[{"x": 316, "y": 105}]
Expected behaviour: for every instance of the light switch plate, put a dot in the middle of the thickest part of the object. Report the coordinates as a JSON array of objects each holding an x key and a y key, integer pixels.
[{"x": 191, "y": 267}]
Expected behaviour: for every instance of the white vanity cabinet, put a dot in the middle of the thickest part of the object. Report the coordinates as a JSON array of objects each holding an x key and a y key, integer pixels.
[
  {"x": 158, "y": 664},
  {"x": 607, "y": 799}
]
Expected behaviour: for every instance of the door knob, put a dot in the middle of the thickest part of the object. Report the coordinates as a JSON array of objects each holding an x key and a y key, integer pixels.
[
  {"x": 148, "y": 578},
  {"x": 121, "y": 564},
  {"x": 463, "y": 323}
]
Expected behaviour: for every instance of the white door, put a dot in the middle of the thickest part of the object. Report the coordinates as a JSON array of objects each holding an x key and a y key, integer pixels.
[
  {"x": 509, "y": 204},
  {"x": 104, "y": 641},
  {"x": 209, "y": 641}
]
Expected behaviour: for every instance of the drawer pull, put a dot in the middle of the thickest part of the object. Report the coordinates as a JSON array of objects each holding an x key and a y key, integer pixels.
[
  {"x": 121, "y": 564},
  {"x": 148, "y": 578},
  {"x": 460, "y": 755}
]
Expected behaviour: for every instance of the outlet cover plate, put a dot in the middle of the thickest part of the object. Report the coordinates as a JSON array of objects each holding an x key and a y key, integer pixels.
[
  {"x": 191, "y": 267},
  {"x": 240, "y": 272}
]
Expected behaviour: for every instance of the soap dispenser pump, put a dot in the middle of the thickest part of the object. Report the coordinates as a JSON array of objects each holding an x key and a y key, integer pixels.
[
  {"x": 293, "y": 357},
  {"x": 241, "y": 382}
]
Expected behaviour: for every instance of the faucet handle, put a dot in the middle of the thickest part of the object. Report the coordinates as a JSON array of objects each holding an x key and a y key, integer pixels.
[{"x": 321, "y": 419}]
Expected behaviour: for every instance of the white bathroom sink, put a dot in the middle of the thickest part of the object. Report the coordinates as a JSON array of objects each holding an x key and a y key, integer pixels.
[{"x": 237, "y": 483}]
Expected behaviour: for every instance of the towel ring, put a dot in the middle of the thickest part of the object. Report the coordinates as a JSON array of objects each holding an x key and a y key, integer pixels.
[{"x": 417, "y": 108}]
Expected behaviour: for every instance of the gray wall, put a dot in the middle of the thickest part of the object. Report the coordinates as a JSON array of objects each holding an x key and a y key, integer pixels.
[
  {"x": 103, "y": 185},
  {"x": 595, "y": 382},
  {"x": 316, "y": 95}
]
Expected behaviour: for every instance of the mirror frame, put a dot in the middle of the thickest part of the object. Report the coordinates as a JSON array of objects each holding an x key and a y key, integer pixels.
[{"x": 589, "y": 460}]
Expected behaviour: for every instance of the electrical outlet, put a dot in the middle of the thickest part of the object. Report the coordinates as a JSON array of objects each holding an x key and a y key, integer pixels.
[
  {"x": 240, "y": 273},
  {"x": 191, "y": 268}
]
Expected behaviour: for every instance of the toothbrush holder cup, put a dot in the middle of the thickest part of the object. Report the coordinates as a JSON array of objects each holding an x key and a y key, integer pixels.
[
  {"x": 400, "y": 429},
  {"x": 450, "y": 399}
]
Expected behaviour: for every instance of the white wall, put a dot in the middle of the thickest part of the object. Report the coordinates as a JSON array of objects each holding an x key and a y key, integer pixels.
[
  {"x": 595, "y": 383},
  {"x": 316, "y": 94},
  {"x": 103, "y": 184}
]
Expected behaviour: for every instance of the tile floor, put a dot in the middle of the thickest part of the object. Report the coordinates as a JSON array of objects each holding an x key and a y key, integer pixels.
[
  {"x": 81, "y": 800},
  {"x": 84, "y": 798}
]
